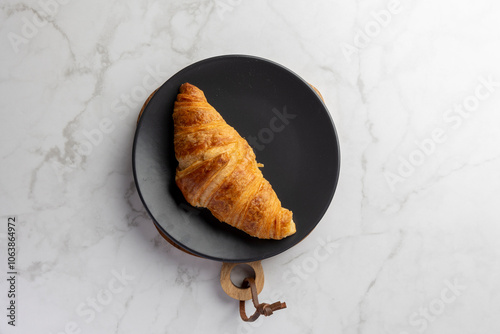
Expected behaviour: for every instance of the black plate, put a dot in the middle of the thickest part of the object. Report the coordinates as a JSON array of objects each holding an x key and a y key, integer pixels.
[{"x": 283, "y": 119}]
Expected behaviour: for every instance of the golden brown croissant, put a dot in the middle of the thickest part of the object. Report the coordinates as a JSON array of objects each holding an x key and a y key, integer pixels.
[{"x": 217, "y": 170}]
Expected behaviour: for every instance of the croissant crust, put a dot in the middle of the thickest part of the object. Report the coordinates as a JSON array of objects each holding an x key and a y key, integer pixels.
[{"x": 218, "y": 170}]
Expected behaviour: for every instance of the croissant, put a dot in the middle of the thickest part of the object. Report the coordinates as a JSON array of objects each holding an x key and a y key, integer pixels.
[{"x": 218, "y": 170}]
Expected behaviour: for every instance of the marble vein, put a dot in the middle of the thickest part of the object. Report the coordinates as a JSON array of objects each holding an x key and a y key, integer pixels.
[{"x": 361, "y": 303}]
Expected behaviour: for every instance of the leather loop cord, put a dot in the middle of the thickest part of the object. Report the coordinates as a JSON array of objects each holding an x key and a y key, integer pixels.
[{"x": 261, "y": 308}]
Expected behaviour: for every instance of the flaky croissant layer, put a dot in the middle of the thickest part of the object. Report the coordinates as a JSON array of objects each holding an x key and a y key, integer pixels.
[{"x": 218, "y": 170}]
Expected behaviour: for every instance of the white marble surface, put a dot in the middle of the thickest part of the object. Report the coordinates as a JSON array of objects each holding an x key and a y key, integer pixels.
[{"x": 410, "y": 242}]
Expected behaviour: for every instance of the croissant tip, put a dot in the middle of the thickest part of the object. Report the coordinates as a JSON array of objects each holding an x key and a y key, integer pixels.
[
  {"x": 185, "y": 87},
  {"x": 192, "y": 91},
  {"x": 287, "y": 230}
]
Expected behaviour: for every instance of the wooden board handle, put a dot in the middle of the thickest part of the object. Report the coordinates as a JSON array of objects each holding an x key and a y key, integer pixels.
[{"x": 240, "y": 293}]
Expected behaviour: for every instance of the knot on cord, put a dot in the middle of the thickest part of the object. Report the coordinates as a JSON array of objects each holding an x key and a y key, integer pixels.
[{"x": 260, "y": 308}]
